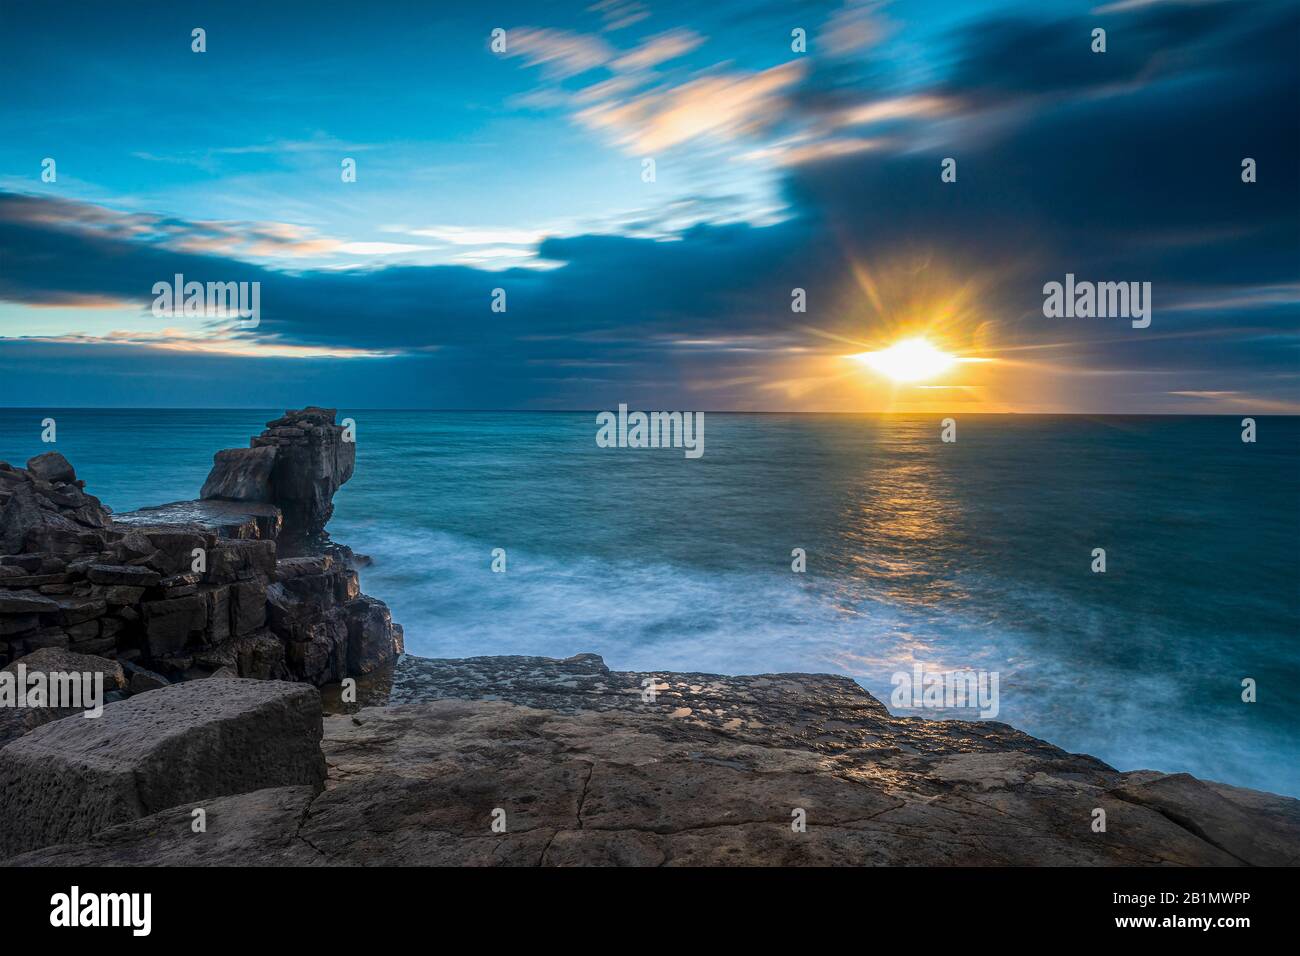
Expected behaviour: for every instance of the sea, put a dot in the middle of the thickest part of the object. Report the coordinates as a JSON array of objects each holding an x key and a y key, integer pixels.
[{"x": 978, "y": 554}]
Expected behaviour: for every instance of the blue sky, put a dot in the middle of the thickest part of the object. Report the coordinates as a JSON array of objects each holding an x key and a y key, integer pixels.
[{"x": 774, "y": 169}]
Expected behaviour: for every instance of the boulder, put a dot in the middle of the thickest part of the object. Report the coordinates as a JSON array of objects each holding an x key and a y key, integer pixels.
[
  {"x": 27, "y": 526},
  {"x": 14, "y": 722},
  {"x": 70, "y": 779},
  {"x": 373, "y": 639},
  {"x": 141, "y": 679},
  {"x": 246, "y": 829},
  {"x": 51, "y": 467},
  {"x": 240, "y": 474}
]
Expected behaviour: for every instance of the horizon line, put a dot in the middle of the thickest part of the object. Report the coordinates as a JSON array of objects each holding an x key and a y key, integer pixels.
[{"x": 594, "y": 411}]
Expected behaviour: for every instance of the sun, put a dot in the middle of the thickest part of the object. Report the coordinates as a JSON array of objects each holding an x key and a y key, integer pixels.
[{"x": 911, "y": 360}]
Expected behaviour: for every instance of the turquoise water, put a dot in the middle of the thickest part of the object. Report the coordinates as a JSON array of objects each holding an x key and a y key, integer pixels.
[{"x": 968, "y": 555}]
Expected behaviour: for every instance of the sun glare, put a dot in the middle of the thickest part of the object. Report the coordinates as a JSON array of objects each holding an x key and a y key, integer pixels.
[{"x": 911, "y": 360}]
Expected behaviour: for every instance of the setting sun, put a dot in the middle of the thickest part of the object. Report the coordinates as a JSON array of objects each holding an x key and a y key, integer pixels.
[{"x": 911, "y": 360}]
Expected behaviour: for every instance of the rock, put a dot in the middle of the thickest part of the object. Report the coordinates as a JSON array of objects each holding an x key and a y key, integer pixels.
[
  {"x": 589, "y": 773},
  {"x": 26, "y": 602},
  {"x": 287, "y": 569},
  {"x": 46, "y": 637},
  {"x": 709, "y": 772},
  {"x": 70, "y": 779},
  {"x": 218, "y": 615},
  {"x": 141, "y": 679},
  {"x": 241, "y": 474},
  {"x": 124, "y": 575},
  {"x": 169, "y": 625},
  {"x": 14, "y": 722},
  {"x": 1222, "y": 816},
  {"x": 247, "y": 606},
  {"x": 51, "y": 467},
  {"x": 373, "y": 639},
  {"x": 228, "y": 519},
  {"x": 310, "y": 469},
  {"x": 10, "y": 625},
  {"x": 35, "y": 580},
  {"x": 75, "y": 610},
  {"x": 241, "y": 559},
  {"x": 26, "y": 526},
  {"x": 266, "y": 819},
  {"x": 261, "y": 655},
  {"x": 121, "y": 595},
  {"x": 83, "y": 631},
  {"x": 178, "y": 587}
]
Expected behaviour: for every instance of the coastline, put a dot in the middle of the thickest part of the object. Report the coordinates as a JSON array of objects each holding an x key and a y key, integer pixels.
[
  {"x": 539, "y": 762},
  {"x": 212, "y": 668}
]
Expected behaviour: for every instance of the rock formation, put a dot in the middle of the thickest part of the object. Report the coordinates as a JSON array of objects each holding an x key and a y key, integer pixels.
[
  {"x": 187, "y": 589},
  {"x": 296, "y": 464},
  {"x": 712, "y": 771},
  {"x": 74, "y": 777}
]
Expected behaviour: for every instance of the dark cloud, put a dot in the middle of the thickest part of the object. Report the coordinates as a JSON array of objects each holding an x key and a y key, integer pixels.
[{"x": 1122, "y": 166}]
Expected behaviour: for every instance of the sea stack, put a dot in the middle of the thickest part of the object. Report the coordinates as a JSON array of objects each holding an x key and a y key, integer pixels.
[
  {"x": 237, "y": 582},
  {"x": 296, "y": 464}
]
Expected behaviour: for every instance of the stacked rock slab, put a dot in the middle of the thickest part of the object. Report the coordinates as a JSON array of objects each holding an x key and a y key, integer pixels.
[
  {"x": 296, "y": 464},
  {"x": 190, "y": 589}
]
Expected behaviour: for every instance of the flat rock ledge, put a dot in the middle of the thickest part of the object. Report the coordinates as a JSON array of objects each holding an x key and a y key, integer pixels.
[{"x": 577, "y": 765}]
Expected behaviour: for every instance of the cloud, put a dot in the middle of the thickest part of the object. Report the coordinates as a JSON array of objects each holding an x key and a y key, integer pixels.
[
  {"x": 1120, "y": 170},
  {"x": 620, "y": 14},
  {"x": 658, "y": 49},
  {"x": 561, "y": 53},
  {"x": 729, "y": 106}
]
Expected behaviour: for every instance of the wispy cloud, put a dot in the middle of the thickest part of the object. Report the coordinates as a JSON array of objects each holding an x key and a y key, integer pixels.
[
  {"x": 729, "y": 106},
  {"x": 560, "y": 53},
  {"x": 658, "y": 49}
]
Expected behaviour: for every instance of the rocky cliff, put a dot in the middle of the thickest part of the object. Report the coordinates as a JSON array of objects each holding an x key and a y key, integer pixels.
[
  {"x": 195, "y": 588},
  {"x": 530, "y": 761}
]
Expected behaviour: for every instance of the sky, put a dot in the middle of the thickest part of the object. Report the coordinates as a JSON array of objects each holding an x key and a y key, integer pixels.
[{"x": 795, "y": 146}]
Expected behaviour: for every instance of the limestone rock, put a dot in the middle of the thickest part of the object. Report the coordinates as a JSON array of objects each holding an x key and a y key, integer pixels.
[
  {"x": 713, "y": 771},
  {"x": 170, "y": 625},
  {"x": 1230, "y": 818},
  {"x": 123, "y": 574},
  {"x": 70, "y": 779},
  {"x": 228, "y": 519},
  {"x": 51, "y": 467},
  {"x": 241, "y": 474},
  {"x": 14, "y": 722},
  {"x": 26, "y": 602},
  {"x": 373, "y": 639},
  {"x": 179, "y": 587},
  {"x": 246, "y": 829}
]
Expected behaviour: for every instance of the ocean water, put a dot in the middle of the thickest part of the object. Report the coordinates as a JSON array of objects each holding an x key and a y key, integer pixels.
[{"x": 972, "y": 555}]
